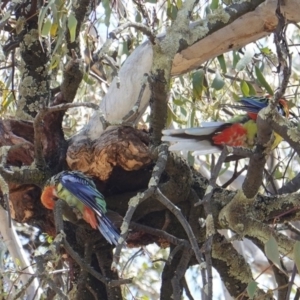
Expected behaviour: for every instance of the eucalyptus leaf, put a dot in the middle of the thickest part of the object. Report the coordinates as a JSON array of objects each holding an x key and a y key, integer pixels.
[
  {"x": 272, "y": 252},
  {"x": 251, "y": 289},
  {"x": 218, "y": 82},
  {"x": 245, "y": 88},
  {"x": 197, "y": 80},
  {"x": 297, "y": 254},
  {"x": 261, "y": 79},
  {"x": 222, "y": 63},
  {"x": 72, "y": 24}
]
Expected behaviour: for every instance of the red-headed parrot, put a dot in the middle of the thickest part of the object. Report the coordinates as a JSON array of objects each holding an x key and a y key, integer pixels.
[
  {"x": 80, "y": 193},
  {"x": 238, "y": 131}
]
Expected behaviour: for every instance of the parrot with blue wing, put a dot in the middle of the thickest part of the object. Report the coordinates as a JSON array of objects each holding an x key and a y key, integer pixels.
[
  {"x": 239, "y": 131},
  {"x": 252, "y": 105},
  {"x": 80, "y": 193}
]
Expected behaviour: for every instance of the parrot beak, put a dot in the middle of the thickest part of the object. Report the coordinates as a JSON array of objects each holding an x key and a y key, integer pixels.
[{"x": 55, "y": 198}]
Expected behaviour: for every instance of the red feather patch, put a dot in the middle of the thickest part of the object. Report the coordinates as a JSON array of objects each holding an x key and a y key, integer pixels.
[
  {"x": 235, "y": 135},
  {"x": 252, "y": 115},
  {"x": 89, "y": 217}
]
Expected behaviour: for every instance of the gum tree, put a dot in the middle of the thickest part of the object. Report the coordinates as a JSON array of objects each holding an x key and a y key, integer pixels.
[{"x": 70, "y": 100}]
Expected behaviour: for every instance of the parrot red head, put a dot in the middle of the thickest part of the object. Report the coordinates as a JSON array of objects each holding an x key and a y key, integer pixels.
[
  {"x": 283, "y": 109},
  {"x": 49, "y": 196}
]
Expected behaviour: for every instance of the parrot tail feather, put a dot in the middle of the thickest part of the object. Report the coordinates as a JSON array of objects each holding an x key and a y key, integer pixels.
[
  {"x": 203, "y": 147},
  {"x": 194, "y": 139},
  {"x": 108, "y": 230},
  {"x": 196, "y": 131}
]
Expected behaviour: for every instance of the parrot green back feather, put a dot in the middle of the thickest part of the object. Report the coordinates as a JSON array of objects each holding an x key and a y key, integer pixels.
[
  {"x": 72, "y": 200},
  {"x": 100, "y": 201},
  {"x": 251, "y": 128}
]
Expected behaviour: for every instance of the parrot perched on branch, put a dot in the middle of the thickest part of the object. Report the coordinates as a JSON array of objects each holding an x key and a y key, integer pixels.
[
  {"x": 80, "y": 192},
  {"x": 240, "y": 131},
  {"x": 252, "y": 105}
]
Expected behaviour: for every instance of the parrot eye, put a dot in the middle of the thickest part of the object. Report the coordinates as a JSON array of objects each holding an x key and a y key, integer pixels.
[
  {"x": 51, "y": 193},
  {"x": 54, "y": 198}
]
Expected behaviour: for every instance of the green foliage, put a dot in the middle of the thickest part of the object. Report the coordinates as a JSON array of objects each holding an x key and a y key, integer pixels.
[
  {"x": 197, "y": 81},
  {"x": 72, "y": 24},
  {"x": 272, "y": 252},
  {"x": 46, "y": 27},
  {"x": 245, "y": 88},
  {"x": 236, "y": 58},
  {"x": 297, "y": 255},
  {"x": 138, "y": 17},
  {"x": 222, "y": 63},
  {"x": 171, "y": 10},
  {"x": 251, "y": 289},
  {"x": 107, "y": 9},
  {"x": 214, "y": 4},
  {"x": 218, "y": 82},
  {"x": 261, "y": 79},
  {"x": 7, "y": 97}
]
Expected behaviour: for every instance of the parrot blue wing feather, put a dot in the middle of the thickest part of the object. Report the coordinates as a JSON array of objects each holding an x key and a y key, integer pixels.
[
  {"x": 253, "y": 104},
  {"x": 108, "y": 230},
  {"x": 85, "y": 190}
]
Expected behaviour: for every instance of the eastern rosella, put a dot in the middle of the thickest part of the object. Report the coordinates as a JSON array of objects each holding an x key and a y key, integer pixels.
[
  {"x": 80, "y": 193},
  {"x": 239, "y": 131}
]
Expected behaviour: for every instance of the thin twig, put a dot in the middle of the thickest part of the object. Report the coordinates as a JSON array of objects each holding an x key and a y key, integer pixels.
[
  {"x": 40, "y": 263},
  {"x": 179, "y": 273},
  {"x": 160, "y": 233},
  {"x": 187, "y": 290},
  {"x": 88, "y": 268},
  {"x": 174, "y": 252},
  {"x": 139, "y": 26},
  {"x": 210, "y": 228},
  {"x": 234, "y": 177},
  {"x": 284, "y": 57},
  {"x": 139, "y": 198},
  {"x": 291, "y": 282},
  {"x": 59, "y": 210},
  {"x": 130, "y": 260},
  {"x": 113, "y": 35},
  {"x": 132, "y": 205},
  {"x": 214, "y": 176},
  {"x": 23, "y": 288},
  {"x": 185, "y": 224},
  {"x": 293, "y": 229}
]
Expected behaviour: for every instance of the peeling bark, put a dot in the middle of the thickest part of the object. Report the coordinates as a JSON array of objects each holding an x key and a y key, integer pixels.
[{"x": 118, "y": 146}]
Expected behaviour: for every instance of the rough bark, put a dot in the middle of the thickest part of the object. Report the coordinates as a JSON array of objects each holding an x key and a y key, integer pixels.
[{"x": 120, "y": 156}]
